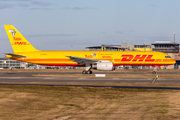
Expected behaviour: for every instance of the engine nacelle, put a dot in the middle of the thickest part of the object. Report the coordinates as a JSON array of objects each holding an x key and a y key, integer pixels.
[{"x": 103, "y": 65}]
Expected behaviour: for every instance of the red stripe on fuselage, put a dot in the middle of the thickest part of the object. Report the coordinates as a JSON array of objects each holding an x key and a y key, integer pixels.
[
  {"x": 61, "y": 64},
  {"x": 76, "y": 64}
]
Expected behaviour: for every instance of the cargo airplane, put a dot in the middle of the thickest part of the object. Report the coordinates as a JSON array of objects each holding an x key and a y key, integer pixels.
[{"x": 99, "y": 60}]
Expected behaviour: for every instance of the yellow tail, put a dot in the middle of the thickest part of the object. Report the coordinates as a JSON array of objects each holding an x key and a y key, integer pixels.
[{"x": 18, "y": 42}]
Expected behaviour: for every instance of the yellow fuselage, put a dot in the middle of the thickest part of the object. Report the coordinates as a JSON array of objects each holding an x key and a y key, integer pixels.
[{"x": 59, "y": 58}]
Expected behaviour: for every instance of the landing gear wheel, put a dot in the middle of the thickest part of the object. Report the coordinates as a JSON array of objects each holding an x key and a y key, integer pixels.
[
  {"x": 154, "y": 72},
  {"x": 89, "y": 72},
  {"x": 84, "y": 72}
]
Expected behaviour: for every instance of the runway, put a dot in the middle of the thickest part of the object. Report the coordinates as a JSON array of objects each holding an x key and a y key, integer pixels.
[
  {"x": 26, "y": 77},
  {"x": 30, "y": 73},
  {"x": 83, "y": 80}
]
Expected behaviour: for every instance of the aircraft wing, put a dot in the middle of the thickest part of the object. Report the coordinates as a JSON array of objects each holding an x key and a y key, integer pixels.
[
  {"x": 82, "y": 60},
  {"x": 15, "y": 55}
]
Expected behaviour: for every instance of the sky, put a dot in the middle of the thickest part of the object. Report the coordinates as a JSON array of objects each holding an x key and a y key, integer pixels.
[{"x": 76, "y": 24}]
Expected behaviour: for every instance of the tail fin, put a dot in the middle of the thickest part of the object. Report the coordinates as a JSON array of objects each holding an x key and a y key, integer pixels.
[{"x": 18, "y": 42}]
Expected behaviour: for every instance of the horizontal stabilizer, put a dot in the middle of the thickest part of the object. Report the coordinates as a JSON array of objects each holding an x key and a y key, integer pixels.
[{"x": 15, "y": 55}]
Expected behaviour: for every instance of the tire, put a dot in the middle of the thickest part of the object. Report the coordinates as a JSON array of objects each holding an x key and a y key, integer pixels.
[
  {"x": 154, "y": 72},
  {"x": 84, "y": 72},
  {"x": 89, "y": 72}
]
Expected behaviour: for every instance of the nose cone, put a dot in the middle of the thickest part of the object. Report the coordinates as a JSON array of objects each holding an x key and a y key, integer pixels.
[{"x": 173, "y": 61}]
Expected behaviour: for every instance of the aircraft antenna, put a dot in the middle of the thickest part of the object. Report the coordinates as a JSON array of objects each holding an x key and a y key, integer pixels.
[{"x": 71, "y": 47}]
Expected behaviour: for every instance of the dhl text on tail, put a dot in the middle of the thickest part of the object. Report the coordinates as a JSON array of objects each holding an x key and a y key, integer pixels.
[{"x": 100, "y": 60}]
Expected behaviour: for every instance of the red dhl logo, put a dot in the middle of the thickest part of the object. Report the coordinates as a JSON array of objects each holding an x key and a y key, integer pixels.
[
  {"x": 139, "y": 58},
  {"x": 88, "y": 56},
  {"x": 14, "y": 38},
  {"x": 20, "y": 43}
]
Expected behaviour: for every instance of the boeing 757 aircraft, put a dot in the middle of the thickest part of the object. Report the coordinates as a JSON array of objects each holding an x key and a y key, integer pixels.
[{"x": 99, "y": 60}]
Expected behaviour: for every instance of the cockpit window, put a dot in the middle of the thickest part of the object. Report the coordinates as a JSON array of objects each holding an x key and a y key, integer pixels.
[{"x": 167, "y": 57}]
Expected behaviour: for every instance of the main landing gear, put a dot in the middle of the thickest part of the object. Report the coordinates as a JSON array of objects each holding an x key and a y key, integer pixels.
[{"x": 87, "y": 70}]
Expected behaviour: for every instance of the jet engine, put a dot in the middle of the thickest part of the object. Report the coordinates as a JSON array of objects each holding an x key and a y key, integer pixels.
[{"x": 103, "y": 65}]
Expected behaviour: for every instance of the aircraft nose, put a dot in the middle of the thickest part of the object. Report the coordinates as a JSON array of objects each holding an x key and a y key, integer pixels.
[{"x": 174, "y": 61}]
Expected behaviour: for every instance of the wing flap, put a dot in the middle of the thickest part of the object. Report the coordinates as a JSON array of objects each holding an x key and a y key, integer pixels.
[{"x": 81, "y": 61}]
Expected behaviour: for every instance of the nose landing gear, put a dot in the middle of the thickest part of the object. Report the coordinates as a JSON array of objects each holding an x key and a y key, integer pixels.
[{"x": 155, "y": 69}]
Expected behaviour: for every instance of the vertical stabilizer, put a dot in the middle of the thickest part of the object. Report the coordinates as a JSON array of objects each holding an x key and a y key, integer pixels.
[{"x": 18, "y": 42}]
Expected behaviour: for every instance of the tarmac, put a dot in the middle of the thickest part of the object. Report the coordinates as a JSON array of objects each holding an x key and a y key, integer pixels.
[{"x": 26, "y": 77}]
